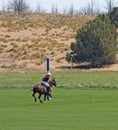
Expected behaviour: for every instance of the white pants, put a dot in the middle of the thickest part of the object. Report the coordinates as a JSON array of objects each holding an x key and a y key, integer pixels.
[{"x": 46, "y": 84}]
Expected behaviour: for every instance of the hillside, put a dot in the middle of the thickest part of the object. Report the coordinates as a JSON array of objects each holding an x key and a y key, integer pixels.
[{"x": 27, "y": 39}]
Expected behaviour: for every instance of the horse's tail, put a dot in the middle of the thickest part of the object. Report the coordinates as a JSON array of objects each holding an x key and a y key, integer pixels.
[{"x": 34, "y": 89}]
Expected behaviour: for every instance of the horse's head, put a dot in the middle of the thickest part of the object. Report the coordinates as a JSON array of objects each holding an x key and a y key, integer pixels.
[{"x": 53, "y": 82}]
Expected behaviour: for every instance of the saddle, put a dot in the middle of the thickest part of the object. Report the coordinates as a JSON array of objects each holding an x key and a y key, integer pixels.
[{"x": 43, "y": 88}]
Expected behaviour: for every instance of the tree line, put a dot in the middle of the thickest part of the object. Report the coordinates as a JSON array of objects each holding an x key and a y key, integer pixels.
[{"x": 90, "y": 8}]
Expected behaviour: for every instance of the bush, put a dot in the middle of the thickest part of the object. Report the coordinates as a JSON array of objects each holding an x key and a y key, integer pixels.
[
  {"x": 95, "y": 43},
  {"x": 114, "y": 16}
]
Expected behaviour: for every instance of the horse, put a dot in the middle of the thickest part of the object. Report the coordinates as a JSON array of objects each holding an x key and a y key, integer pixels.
[{"x": 40, "y": 89}]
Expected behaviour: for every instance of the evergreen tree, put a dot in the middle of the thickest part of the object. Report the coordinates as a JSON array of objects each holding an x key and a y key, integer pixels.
[
  {"x": 95, "y": 43},
  {"x": 114, "y": 16}
]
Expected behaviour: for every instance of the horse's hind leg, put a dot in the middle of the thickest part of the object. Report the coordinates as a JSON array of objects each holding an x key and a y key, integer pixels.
[
  {"x": 34, "y": 92},
  {"x": 34, "y": 96},
  {"x": 40, "y": 100}
]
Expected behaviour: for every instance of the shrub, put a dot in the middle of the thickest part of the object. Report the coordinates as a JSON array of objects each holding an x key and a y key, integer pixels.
[{"x": 95, "y": 43}]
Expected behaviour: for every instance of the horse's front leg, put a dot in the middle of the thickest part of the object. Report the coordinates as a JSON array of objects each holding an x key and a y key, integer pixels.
[
  {"x": 50, "y": 95},
  {"x": 40, "y": 100}
]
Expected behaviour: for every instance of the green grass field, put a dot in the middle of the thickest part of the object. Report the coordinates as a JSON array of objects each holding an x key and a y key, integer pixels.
[{"x": 82, "y": 101}]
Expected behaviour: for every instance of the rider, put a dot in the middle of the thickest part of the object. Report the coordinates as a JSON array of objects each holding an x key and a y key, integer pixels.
[{"x": 45, "y": 80}]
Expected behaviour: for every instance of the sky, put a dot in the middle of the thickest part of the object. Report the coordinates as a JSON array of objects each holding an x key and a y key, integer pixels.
[{"x": 61, "y": 4}]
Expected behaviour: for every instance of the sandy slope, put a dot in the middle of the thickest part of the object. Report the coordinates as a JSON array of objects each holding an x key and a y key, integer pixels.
[{"x": 26, "y": 41}]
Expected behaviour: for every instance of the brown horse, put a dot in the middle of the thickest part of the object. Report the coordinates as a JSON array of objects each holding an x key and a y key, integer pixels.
[{"x": 41, "y": 90}]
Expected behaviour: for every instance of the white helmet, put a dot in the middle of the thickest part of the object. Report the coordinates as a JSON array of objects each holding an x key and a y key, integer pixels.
[{"x": 48, "y": 73}]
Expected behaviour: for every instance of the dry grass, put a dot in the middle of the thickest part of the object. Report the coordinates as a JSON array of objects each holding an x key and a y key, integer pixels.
[{"x": 27, "y": 39}]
